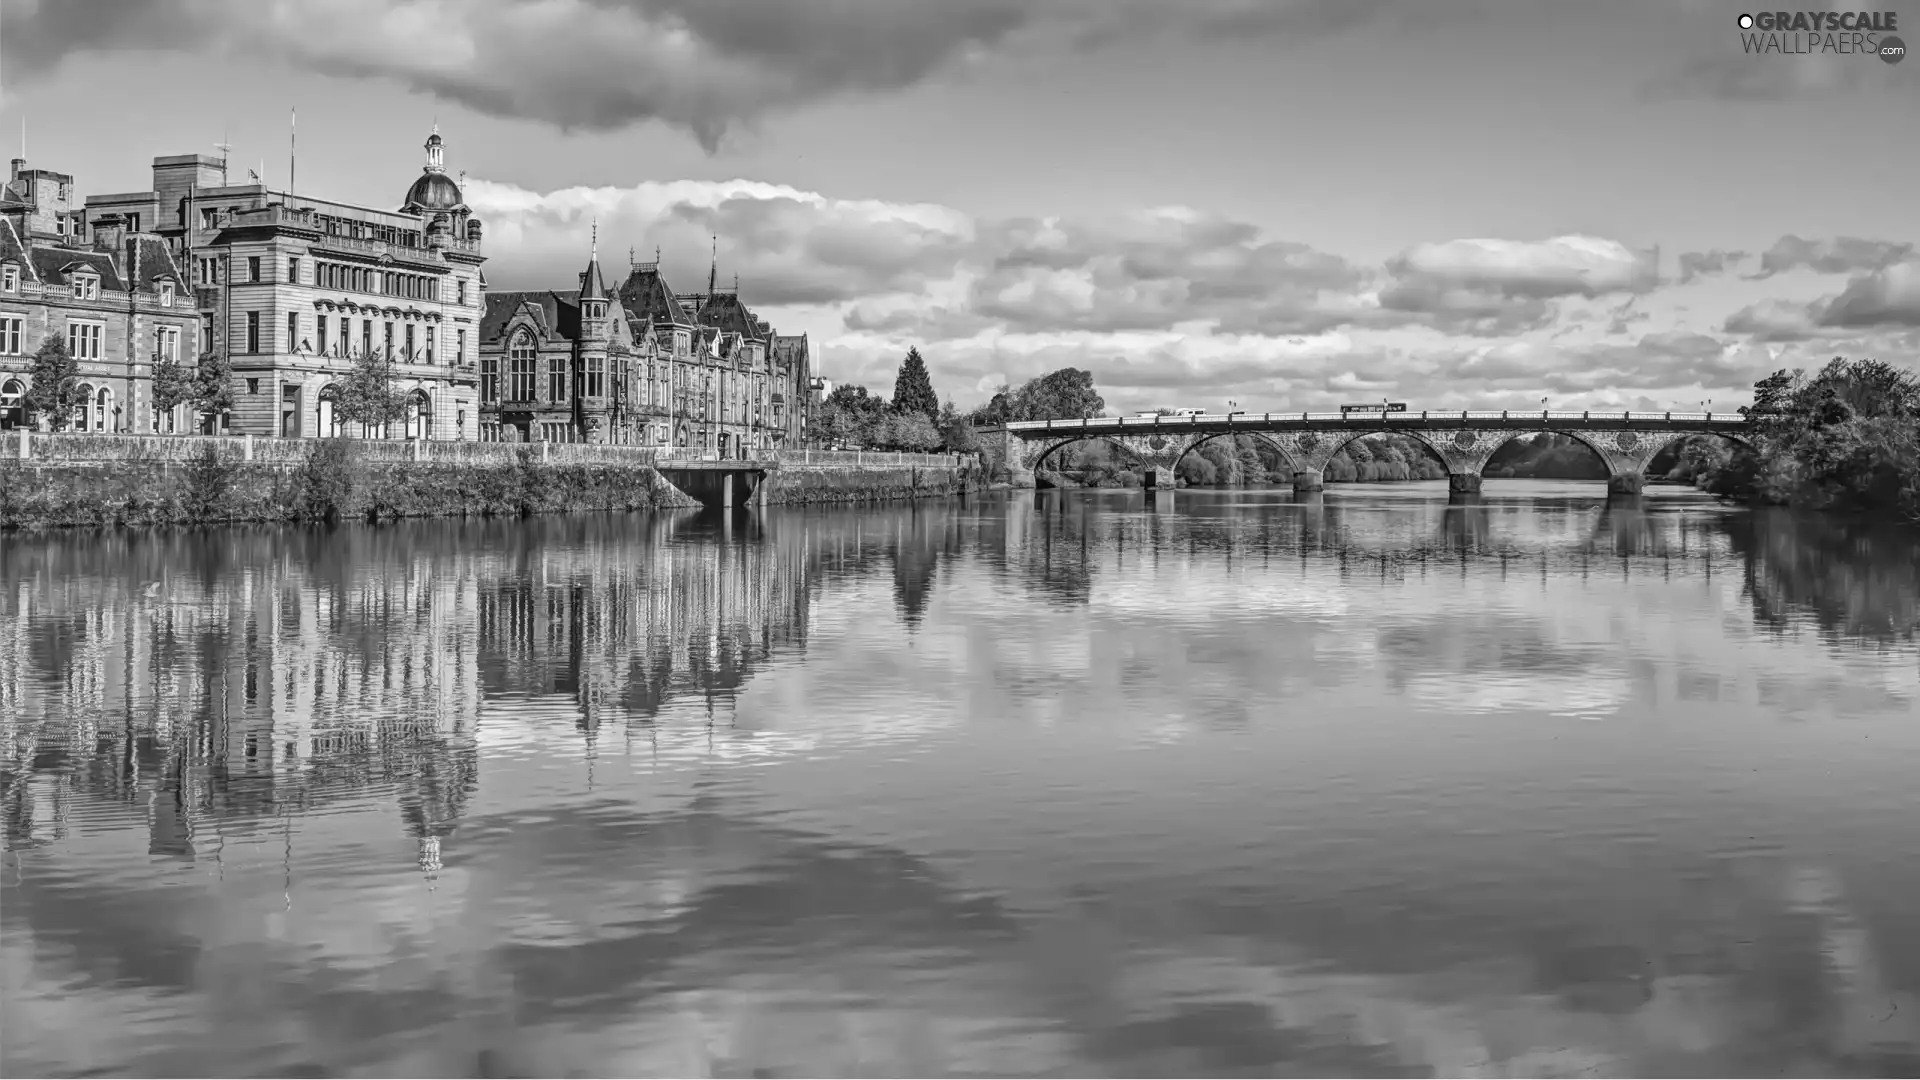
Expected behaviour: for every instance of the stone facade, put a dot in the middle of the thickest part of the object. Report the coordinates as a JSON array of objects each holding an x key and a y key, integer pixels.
[
  {"x": 119, "y": 298},
  {"x": 641, "y": 365},
  {"x": 295, "y": 289}
]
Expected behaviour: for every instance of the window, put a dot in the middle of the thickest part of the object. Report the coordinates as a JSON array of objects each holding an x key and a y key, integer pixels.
[
  {"x": 253, "y": 268},
  {"x": 253, "y": 386},
  {"x": 166, "y": 344},
  {"x": 83, "y": 340},
  {"x": 461, "y": 286},
  {"x": 253, "y": 331},
  {"x": 680, "y": 342},
  {"x": 557, "y": 377},
  {"x": 320, "y": 334},
  {"x": 346, "y": 333},
  {"x": 596, "y": 375},
  {"x": 293, "y": 331},
  {"x": 489, "y": 378},
  {"x": 10, "y": 278},
  {"x": 166, "y": 294},
  {"x": 459, "y": 346},
  {"x": 293, "y": 271},
  {"x": 522, "y": 370},
  {"x": 429, "y": 344},
  {"x": 86, "y": 287},
  {"x": 386, "y": 340},
  {"x": 366, "y": 336},
  {"x": 10, "y": 330}
]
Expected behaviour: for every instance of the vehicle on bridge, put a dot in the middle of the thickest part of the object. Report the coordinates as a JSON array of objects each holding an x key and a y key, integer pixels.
[
  {"x": 1382, "y": 406},
  {"x": 1189, "y": 412}
]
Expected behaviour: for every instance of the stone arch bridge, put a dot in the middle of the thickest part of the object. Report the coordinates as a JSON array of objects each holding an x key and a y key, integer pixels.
[{"x": 1307, "y": 441}]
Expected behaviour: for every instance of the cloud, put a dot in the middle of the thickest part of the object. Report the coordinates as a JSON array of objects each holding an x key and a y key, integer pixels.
[
  {"x": 1835, "y": 255},
  {"x": 1175, "y": 306},
  {"x": 705, "y": 66},
  {"x": 1506, "y": 286},
  {"x": 1697, "y": 264},
  {"x": 1886, "y": 299}
]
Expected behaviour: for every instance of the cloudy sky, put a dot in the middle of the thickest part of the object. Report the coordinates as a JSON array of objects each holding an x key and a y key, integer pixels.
[{"x": 1287, "y": 203}]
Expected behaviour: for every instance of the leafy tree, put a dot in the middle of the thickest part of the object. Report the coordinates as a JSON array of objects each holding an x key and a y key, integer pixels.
[
  {"x": 910, "y": 431},
  {"x": 55, "y": 392},
  {"x": 367, "y": 395},
  {"x": 213, "y": 385},
  {"x": 1066, "y": 394},
  {"x": 174, "y": 384},
  {"x": 956, "y": 431},
  {"x": 913, "y": 388}
]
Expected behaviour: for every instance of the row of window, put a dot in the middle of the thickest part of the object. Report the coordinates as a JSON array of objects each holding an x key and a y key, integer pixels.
[
  {"x": 85, "y": 286},
  {"x": 83, "y": 339},
  {"x": 412, "y": 346},
  {"x": 523, "y": 384},
  {"x": 344, "y": 276}
]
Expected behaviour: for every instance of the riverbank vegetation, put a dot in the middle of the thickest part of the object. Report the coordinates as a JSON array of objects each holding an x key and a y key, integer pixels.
[
  {"x": 1844, "y": 439},
  {"x": 334, "y": 483}
]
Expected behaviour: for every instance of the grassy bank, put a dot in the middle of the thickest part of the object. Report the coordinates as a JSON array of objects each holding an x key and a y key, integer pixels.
[
  {"x": 866, "y": 484},
  {"x": 334, "y": 482}
]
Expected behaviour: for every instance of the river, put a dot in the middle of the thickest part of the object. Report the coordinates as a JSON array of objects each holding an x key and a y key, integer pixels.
[{"x": 1068, "y": 783}]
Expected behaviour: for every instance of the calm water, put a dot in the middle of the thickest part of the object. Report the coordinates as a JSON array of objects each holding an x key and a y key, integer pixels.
[{"x": 1100, "y": 783}]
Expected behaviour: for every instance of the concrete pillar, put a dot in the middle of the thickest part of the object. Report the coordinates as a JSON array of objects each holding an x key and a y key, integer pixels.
[
  {"x": 246, "y": 447},
  {"x": 26, "y": 444},
  {"x": 1156, "y": 477},
  {"x": 1161, "y": 501},
  {"x": 1019, "y": 476},
  {"x": 1626, "y": 483},
  {"x": 726, "y": 490},
  {"x": 1308, "y": 480},
  {"x": 1463, "y": 483}
]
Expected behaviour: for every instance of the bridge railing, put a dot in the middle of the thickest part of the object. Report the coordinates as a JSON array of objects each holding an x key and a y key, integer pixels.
[
  {"x": 1109, "y": 423},
  {"x": 869, "y": 458}
]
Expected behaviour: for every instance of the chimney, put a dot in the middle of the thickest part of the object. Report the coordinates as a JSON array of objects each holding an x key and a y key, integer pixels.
[
  {"x": 110, "y": 233},
  {"x": 19, "y": 163}
]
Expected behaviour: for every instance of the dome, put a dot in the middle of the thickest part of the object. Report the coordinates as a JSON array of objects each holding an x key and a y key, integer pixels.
[{"x": 434, "y": 190}]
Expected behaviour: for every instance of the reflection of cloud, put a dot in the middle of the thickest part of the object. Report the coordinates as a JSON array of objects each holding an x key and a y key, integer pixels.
[{"x": 1555, "y": 695}]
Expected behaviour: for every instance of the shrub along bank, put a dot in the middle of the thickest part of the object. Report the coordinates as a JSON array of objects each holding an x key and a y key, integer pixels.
[{"x": 333, "y": 483}]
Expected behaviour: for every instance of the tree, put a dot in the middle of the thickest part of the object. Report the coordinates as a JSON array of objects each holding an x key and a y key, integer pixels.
[
  {"x": 913, "y": 431},
  {"x": 1066, "y": 394},
  {"x": 367, "y": 395},
  {"x": 55, "y": 392},
  {"x": 174, "y": 384},
  {"x": 213, "y": 384},
  {"x": 956, "y": 431},
  {"x": 913, "y": 388}
]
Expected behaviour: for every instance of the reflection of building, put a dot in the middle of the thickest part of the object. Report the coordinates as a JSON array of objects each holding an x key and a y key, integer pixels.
[
  {"x": 295, "y": 288},
  {"x": 119, "y": 301},
  {"x": 641, "y": 365}
]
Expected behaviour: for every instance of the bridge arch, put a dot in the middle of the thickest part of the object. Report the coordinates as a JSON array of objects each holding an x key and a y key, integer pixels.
[
  {"x": 1284, "y": 452},
  {"x": 1338, "y": 441},
  {"x": 1053, "y": 446},
  {"x": 1605, "y": 455}
]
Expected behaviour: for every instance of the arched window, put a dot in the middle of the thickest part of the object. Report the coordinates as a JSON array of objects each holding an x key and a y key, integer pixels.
[
  {"x": 521, "y": 371},
  {"x": 329, "y": 425},
  {"x": 419, "y": 415},
  {"x": 12, "y": 408},
  {"x": 103, "y": 418}
]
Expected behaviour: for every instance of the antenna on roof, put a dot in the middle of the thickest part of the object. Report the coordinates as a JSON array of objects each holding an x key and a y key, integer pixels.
[
  {"x": 225, "y": 148},
  {"x": 23, "y": 136}
]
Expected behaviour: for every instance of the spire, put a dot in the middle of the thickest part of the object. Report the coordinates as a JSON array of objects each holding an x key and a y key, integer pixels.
[
  {"x": 713, "y": 269},
  {"x": 436, "y": 151},
  {"x": 592, "y": 286}
]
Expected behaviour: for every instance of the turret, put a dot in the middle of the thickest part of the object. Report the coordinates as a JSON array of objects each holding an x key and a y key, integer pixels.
[{"x": 593, "y": 293}]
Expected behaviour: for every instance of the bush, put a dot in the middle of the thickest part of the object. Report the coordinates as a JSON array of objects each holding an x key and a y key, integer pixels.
[{"x": 208, "y": 486}]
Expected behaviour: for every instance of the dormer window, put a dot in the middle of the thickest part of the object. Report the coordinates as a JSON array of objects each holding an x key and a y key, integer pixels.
[
  {"x": 9, "y": 278},
  {"x": 86, "y": 286},
  {"x": 166, "y": 294}
]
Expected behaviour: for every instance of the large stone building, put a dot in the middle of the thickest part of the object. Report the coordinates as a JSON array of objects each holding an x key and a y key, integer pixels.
[
  {"x": 641, "y": 365},
  {"x": 114, "y": 293},
  {"x": 296, "y": 288}
]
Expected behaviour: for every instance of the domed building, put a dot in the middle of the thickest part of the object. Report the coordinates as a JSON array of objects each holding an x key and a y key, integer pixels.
[{"x": 296, "y": 288}]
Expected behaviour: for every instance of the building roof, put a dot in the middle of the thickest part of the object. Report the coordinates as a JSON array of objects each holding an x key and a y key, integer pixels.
[
  {"x": 59, "y": 266},
  {"x": 592, "y": 285},
  {"x": 12, "y": 249},
  {"x": 648, "y": 300},
  {"x": 433, "y": 191},
  {"x": 558, "y": 313},
  {"x": 725, "y": 311}
]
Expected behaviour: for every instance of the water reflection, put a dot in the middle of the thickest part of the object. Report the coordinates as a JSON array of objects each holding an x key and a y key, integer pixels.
[{"x": 1110, "y": 783}]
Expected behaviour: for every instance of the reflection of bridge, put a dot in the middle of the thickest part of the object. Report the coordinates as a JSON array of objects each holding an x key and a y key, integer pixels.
[{"x": 1306, "y": 442}]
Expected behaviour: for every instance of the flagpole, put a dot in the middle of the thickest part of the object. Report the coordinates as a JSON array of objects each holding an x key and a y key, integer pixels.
[{"x": 293, "y": 117}]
